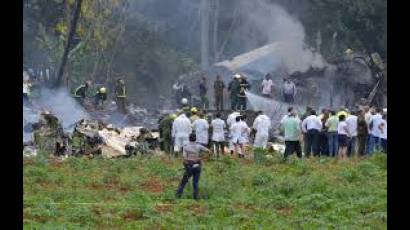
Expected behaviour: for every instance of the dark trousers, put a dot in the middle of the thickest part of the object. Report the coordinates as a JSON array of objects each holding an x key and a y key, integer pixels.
[
  {"x": 234, "y": 102},
  {"x": 242, "y": 103},
  {"x": 361, "y": 144},
  {"x": 219, "y": 102},
  {"x": 288, "y": 98},
  {"x": 323, "y": 144},
  {"x": 291, "y": 147},
  {"x": 312, "y": 142},
  {"x": 218, "y": 147},
  {"x": 333, "y": 143},
  {"x": 351, "y": 146},
  {"x": 122, "y": 105},
  {"x": 383, "y": 144},
  {"x": 190, "y": 172}
]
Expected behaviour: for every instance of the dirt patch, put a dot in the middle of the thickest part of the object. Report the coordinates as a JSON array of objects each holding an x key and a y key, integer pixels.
[
  {"x": 27, "y": 162},
  {"x": 112, "y": 185},
  {"x": 198, "y": 209},
  {"x": 152, "y": 185},
  {"x": 132, "y": 215},
  {"x": 284, "y": 210},
  {"x": 163, "y": 207},
  {"x": 166, "y": 161}
]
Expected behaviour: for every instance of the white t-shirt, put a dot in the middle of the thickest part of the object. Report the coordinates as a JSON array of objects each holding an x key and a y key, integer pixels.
[
  {"x": 267, "y": 86},
  {"x": 26, "y": 87},
  {"x": 383, "y": 132},
  {"x": 218, "y": 126},
  {"x": 341, "y": 128},
  {"x": 351, "y": 122},
  {"x": 239, "y": 131},
  {"x": 311, "y": 122},
  {"x": 375, "y": 128},
  {"x": 262, "y": 125},
  {"x": 201, "y": 130},
  {"x": 231, "y": 119}
]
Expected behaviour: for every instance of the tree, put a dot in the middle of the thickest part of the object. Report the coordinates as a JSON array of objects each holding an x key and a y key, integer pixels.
[{"x": 73, "y": 27}]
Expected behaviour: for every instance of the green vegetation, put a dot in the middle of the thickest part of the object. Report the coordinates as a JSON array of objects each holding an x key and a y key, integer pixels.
[{"x": 138, "y": 193}]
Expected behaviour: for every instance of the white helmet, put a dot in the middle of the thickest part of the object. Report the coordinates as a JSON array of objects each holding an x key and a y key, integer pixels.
[{"x": 184, "y": 101}]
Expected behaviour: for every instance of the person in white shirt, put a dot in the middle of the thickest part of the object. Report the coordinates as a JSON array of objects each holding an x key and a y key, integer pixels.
[
  {"x": 181, "y": 128},
  {"x": 262, "y": 124},
  {"x": 289, "y": 90},
  {"x": 351, "y": 122},
  {"x": 383, "y": 133},
  {"x": 237, "y": 134},
  {"x": 230, "y": 121},
  {"x": 218, "y": 135},
  {"x": 343, "y": 136},
  {"x": 374, "y": 131},
  {"x": 312, "y": 125},
  {"x": 267, "y": 85},
  {"x": 201, "y": 127}
]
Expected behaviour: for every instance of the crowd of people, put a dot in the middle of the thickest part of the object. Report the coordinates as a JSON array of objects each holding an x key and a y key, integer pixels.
[{"x": 331, "y": 133}]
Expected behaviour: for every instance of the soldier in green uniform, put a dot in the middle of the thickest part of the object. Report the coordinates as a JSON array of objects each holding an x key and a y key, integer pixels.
[
  {"x": 165, "y": 128},
  {"x": 219, "y": 86},
  {"x": 234, "y": 88},
  {"x": 121, "y": 95}
]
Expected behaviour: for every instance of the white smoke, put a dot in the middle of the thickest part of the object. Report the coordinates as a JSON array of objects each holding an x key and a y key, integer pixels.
[
  {"x": 277, "y": 26},
  {"x": 60, "y": 103}
]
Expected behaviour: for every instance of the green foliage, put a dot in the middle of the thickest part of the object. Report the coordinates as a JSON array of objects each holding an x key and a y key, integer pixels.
[{"x": 139, "y": 193}]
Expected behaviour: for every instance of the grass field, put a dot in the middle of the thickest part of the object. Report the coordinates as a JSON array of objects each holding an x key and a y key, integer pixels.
[{"x": 138, "y": 193}]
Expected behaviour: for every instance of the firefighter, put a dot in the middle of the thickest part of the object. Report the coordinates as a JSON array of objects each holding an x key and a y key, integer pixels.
[
  {"x": 244, "y": 86},
  {"x": 121, "y": 96},
  {"x": 82, "y": 91},
  {"x": 100, "y": 97}
]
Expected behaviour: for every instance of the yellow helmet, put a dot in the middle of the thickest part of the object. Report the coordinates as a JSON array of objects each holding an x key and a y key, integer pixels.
[
  {"x": 349, "y": 51},
  {"x": 173, "y": 116},
  {"x": 103, "y": 90},
  {"x": 194, "y": 110}
]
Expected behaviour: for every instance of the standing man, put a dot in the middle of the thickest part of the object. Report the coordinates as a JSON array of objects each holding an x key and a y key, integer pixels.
[
  {"x": 383, "y": 133},
  {"x": 165, "y": 127},
  {"x": 244, "y": 86},
  {"x": 230, "y": 121},
  {"x": 201, "y": 127},
  {"x": 238, "y": 134},
  {"x": 218, "y": 134},
  {"x": 323, "y": 141},
  {"x": 351, "y": 122},
  {"x": 343, "y": 136},
  {"x": 203, "y": 89},
  {"x": 291, "y": 128},
  {"x": 289, "y": 90},
  {"x": 262, "y": 124},
  {"x": 267, "y": 85},
  {"x": 26, "y": 90},
  {"x": 331, "y": 125},
  {"x": 219, "y": 86},
  {"x": 234, "y": 89},
  {"x": 181, "y": 128},
  {"x": 121, "y": 96},
  {"x": 374, "y": 131},
  {"x": 192, "y": 164},
  {"x": 362, "y": 133},
  {"x": 312, "y": 126}
]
